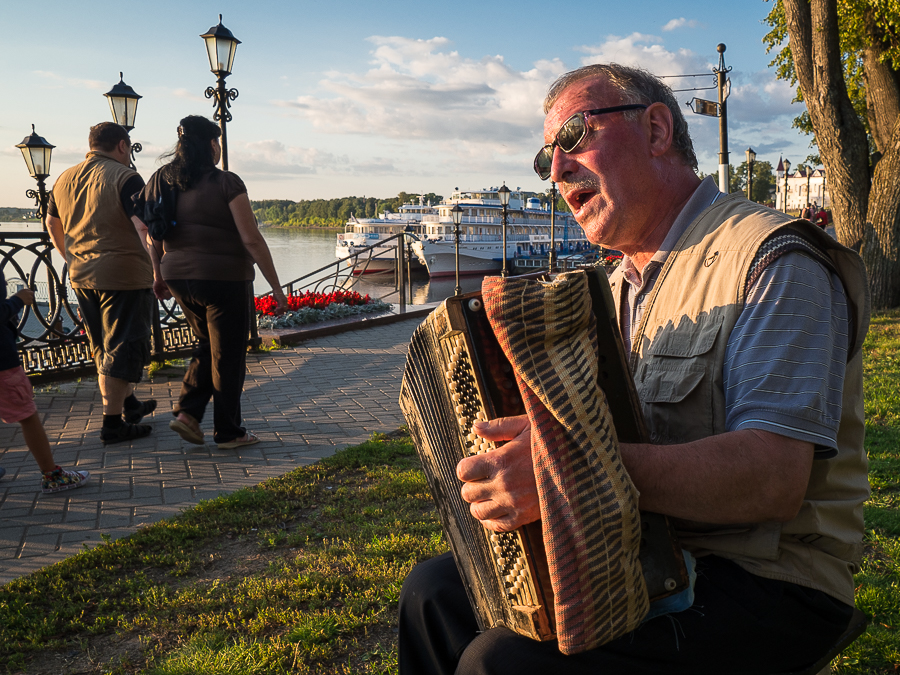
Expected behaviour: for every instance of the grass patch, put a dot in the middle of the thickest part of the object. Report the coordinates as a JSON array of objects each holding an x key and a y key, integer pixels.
[{"x": 302, "y": 573}]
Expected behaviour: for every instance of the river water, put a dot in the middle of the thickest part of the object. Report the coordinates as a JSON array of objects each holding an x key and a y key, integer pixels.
[{"x": 296, "y": 253}]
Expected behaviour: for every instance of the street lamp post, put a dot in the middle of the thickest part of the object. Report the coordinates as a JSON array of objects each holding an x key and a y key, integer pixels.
[
  {"x": 456, "y": 212},
  {"x": 787, "y": 172},
  {"x": 504, "y": 193},
  {"x": 221, "y": 46},
  {"x": 751, "y": 158},
  {"x": 37, "y": 151},
  {"x": 551, "y": 257},
  {"x": 721, "y": 84},
  {"x": 123, "y": 102}
]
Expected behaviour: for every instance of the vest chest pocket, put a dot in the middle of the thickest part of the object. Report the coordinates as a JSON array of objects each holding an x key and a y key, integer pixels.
[{"x": 675, "y": 382}]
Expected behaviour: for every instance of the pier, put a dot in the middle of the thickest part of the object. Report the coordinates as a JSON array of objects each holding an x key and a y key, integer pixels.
[{"x": 334, "y": 387}]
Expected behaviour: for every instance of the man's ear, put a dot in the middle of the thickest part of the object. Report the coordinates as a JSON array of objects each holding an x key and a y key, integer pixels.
[{"x": 660, "y": 127}]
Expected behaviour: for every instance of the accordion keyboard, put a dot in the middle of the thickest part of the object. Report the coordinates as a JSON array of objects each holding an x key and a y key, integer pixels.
[{"x": 508, "y": 548}]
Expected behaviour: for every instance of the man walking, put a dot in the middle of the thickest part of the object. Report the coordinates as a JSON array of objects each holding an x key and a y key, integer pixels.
[{"x": 89, "y": 221}]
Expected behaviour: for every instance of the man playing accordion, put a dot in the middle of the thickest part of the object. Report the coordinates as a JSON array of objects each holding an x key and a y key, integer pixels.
[{"x": 744, "y": 330}]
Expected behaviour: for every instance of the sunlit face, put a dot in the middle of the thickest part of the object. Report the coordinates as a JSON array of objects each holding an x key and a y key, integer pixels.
[
  {"x": 602, "y": 180},
  {"x": 216, "y": 150}
]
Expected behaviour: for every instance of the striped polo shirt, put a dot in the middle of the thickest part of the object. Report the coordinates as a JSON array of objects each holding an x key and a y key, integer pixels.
[{"x": 786, "y": 356}]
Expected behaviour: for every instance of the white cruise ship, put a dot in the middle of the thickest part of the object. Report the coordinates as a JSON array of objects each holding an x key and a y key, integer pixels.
[
  {"x": 481, "y": 238},
  {"x": 360, "y": 233}
]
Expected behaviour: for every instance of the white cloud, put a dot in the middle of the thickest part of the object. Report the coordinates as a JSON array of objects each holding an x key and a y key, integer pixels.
[
  {"x": 274, "y": 160},
  {"x": 187, "y": 94},
  {"x": 681, "y": 23},
  {"x": 57, "y": 80},
  {"x": 645, "y": 51},
  {"x": 424, "y": 90},
  {"x": 482, "y": 117}
]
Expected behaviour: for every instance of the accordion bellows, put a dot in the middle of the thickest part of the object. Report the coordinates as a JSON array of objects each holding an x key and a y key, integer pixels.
[{"x": 589, "y": 506}]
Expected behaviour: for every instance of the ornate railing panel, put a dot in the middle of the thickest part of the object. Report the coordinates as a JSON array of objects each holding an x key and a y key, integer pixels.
[{"x": 52, "y": 343}]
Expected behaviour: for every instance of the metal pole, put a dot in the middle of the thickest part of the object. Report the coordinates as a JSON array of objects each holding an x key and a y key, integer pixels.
[
  {"x": 721, "y": 72},
  {"x": 222, "y": 102},
  {"x": 785, "y": 191},
  {"x": 551, "y": 258},
  {"x": 222, "y": 96},
  {"x": 401, "y": 279},
  {"x": 504, "y": 272},
  {"x": 458, "y": 288},
  {"x": 750, "y": 181}
]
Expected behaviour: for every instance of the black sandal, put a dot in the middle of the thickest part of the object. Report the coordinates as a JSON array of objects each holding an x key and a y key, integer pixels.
[
  {"x": 126, "y": 432},
  {"x": 135, "y": 415}
]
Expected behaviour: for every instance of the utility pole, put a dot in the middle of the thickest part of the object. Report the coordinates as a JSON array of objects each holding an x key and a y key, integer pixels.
[{"x": 721, "y": 73}]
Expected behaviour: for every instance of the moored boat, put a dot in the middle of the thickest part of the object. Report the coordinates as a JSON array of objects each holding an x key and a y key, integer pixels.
[
  {"x": 361, "y": 233},
  {"x": 481, "y": 233}
]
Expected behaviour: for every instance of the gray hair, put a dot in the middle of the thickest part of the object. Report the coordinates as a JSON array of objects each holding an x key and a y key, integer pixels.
[{"x": 635, "y": 85}]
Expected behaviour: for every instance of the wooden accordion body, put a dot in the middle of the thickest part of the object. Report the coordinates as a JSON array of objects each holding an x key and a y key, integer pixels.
[{"x": 456, "y": 373}]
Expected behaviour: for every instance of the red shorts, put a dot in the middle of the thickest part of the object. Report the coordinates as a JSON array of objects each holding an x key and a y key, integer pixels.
[{"x": 17, "y": 399}]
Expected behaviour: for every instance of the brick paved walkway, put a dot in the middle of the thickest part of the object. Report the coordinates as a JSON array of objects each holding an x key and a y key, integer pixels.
[{"x": 305, "y": 403}]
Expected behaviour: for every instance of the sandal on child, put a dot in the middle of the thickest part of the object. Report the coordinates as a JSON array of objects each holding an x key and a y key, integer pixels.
[
  {"x": 249, "y": 439},
  {"x": 189, "y": 432}
]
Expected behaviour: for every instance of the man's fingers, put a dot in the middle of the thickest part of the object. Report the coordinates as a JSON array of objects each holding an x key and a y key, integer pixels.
[
  {"x": 474, "y": 468},
  {"x": 502, "y": 429}
]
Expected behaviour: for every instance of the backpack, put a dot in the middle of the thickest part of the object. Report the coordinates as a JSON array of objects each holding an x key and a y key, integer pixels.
[{"x": 157, "y": 208}]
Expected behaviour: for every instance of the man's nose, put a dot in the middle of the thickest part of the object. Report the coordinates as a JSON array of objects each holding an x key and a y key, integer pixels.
[{"x": 562, "y": 166}]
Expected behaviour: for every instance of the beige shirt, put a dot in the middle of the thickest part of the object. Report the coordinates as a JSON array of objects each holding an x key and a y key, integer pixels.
[{"x": 103, "y": 250}]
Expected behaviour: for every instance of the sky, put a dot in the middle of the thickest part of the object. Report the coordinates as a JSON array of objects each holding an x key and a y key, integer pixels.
[{"x": 340, "y": 98}]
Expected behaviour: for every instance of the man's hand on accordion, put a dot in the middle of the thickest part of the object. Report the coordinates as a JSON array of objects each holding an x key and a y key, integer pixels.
[{"x": 499, "y": 485}]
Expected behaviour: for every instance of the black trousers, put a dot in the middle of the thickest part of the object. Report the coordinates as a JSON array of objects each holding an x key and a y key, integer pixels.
[
  {"x": 739, "y": 623},
  {"x": 219, "y": 314}
]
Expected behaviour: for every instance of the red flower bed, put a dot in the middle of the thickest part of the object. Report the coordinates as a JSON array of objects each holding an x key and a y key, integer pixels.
[{"x": 266, "y": 304}]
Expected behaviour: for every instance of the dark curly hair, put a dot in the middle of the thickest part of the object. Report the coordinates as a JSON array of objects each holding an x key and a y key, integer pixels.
[{"x": 193, "y": 155}]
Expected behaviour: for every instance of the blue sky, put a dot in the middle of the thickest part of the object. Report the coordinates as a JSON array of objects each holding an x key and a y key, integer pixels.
[{"x": 358, "y": 98}]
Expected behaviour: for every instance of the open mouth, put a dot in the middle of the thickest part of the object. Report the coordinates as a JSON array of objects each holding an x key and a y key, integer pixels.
[{"x": 579, "y": 198}]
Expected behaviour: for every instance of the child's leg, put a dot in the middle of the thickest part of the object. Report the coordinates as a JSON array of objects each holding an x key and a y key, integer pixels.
[{"x": 37, "y": 442}]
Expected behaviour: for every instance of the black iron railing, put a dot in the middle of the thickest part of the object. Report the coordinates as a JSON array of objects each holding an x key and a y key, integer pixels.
[{"x": 52, "y": 342}]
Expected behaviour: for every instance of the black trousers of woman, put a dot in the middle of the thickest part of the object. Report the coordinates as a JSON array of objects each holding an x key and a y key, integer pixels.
[
  {"x": 219, "y": 314},
  {"x": 740, "y": 623}
]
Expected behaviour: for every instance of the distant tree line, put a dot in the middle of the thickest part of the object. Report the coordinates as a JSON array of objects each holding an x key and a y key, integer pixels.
[
  {"x": 11, "y": 214},
  {"x": 331, "y": 212}
]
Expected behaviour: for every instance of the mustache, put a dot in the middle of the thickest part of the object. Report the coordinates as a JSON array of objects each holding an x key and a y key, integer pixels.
[{"x": 581, "y": 183}]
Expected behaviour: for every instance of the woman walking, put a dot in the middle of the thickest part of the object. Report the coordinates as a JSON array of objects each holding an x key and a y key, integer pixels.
[{"x": 206, "y": 263}]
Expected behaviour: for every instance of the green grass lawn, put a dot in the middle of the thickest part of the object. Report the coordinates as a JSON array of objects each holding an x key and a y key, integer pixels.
[{"x": 302, "y": 573}]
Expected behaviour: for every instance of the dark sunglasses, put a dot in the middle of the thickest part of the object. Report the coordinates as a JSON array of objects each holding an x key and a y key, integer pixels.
[{"x": 570, "y": 136}]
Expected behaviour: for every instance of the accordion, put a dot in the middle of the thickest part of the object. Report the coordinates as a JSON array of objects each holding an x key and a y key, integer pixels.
[{"x": 456, "y": 374}]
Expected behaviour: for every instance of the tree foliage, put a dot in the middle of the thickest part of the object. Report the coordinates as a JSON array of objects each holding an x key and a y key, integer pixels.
[
  {"x": 844, "y": 58},
  {"x": 331, "y": 212}
]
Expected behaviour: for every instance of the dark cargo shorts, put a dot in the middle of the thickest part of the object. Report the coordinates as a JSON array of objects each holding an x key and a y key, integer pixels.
[{"x": 118, "y": 326}]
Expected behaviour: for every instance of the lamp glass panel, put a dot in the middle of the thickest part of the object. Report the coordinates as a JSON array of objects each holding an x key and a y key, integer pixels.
[
  {"x": 38, "y": 160},
  {"x": 131, "y": 105},
  {"x": 226, "y": 50},
  {"x": 211, "y": 53},
  {"x": 117, "y": 107},
  {"x": 29, "y": 159}
]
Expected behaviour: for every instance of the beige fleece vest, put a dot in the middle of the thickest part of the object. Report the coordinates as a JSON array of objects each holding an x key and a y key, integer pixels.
[
  {"x": 103, "y": 249},
  {"x": 677, "y": 360}
]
